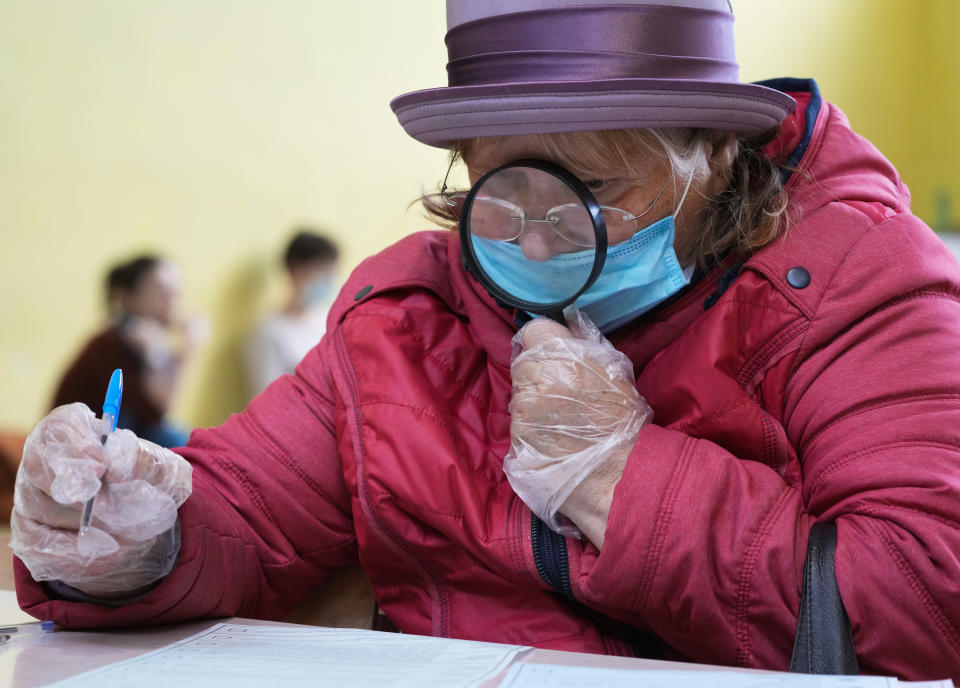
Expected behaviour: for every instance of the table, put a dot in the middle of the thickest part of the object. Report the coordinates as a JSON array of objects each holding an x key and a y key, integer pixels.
[{"x": 34, "y": 658}]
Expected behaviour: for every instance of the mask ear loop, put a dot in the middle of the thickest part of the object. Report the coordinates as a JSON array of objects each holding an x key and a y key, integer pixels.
[
  {"x": 683, "y": 196},
  {"x": 687, "y": 270}
]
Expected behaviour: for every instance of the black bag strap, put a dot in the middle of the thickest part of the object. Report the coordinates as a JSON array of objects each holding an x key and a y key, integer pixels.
[{"x": 824, "y": 643}]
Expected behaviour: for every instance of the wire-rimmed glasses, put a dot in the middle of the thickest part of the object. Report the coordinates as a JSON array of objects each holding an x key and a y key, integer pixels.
[{"x": 498, "y": 218}]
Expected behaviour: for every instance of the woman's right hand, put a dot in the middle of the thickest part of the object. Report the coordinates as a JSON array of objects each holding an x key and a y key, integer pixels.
[{"x": 138, "y": 486}]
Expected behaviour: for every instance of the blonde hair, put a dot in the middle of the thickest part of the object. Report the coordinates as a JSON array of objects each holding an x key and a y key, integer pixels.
[{"x": 750, "y": 212}]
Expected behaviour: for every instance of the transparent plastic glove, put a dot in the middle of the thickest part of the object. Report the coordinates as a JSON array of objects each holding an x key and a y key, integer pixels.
[
  {"x": 132, "y": 540},
  {"x": 574, "y": 405}
]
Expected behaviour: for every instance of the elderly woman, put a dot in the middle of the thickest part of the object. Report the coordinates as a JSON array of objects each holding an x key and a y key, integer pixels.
[{"x": 780, "y": 351}]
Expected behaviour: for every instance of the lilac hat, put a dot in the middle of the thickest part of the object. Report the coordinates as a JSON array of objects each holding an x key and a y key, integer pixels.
[{"x": 541, "y": 66}]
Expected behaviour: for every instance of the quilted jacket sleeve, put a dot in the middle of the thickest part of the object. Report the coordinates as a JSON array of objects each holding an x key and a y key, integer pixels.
[
  {"x": 707, "y": 550},
  {"x": 268, "y": 519}
]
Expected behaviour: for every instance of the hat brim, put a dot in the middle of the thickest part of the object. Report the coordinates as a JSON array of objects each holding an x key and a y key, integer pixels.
[{"x": 439, "y": 116}]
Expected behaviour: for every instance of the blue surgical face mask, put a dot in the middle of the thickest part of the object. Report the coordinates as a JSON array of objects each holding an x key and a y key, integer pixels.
[
  {"x": 638, "y": 274},
  {"x": 316, "y": 292}
]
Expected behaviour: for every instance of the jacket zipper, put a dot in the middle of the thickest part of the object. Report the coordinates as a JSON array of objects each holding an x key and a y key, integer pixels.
[
  {"x": 431, "y": 581},
  {"x": 550, "y": 556}
]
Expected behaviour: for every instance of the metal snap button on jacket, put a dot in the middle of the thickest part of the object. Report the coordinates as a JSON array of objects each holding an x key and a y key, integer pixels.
[{"x": 798, "y": 277}]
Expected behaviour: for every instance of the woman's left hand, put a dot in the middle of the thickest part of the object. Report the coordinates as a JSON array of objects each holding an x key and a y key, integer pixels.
[{"x": 574, "y": 418}]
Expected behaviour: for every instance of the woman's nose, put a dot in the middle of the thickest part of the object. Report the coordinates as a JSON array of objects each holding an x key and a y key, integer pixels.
[{"x": 538, "y": 242}]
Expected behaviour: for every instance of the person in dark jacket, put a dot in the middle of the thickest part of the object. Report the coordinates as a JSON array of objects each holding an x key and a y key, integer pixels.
[
  {"x": 146, "y": 340},
  {"x": 769, "y": 344}
]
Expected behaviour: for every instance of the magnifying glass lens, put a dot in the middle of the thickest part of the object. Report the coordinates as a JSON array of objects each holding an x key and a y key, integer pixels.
[
  {"x": 532, "y": 235},
  {"x": 495, "y": 218}
]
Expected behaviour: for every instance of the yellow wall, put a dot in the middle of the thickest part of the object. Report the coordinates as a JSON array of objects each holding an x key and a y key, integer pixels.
[
  {"x": 893, "y": 67},
  {"x": 206, "y": 129}
]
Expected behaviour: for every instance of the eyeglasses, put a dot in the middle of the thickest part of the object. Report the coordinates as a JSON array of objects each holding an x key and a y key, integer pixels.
[{"x": 494, "y": 217}]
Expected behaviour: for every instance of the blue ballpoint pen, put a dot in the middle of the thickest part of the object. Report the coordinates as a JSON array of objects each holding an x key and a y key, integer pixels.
[{"x": 111, "y": 408}]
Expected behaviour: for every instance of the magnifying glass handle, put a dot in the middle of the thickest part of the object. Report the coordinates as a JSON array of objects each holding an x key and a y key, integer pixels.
[
  {"x": 523, "y": 317},
  {"x": 558, "y": 316}
]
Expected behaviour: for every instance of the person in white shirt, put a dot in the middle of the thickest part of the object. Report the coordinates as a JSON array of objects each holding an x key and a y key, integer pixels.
[{"x": 283, "y": 338}]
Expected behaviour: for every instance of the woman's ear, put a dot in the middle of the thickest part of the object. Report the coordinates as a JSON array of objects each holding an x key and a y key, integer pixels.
[{"x": 721, "y": 153}]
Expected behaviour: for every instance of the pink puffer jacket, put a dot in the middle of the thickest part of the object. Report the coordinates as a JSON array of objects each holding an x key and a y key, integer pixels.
[{"x": 819, "y": 380}]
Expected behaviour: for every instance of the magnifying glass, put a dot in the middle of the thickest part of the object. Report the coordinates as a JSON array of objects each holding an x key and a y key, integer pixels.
[{"x": 533, "y": 235}]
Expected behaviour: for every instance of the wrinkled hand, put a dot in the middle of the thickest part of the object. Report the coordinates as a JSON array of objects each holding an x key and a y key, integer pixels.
[
  {"x": 138, "y": 485},
  {"x": 574, "y": 417}
]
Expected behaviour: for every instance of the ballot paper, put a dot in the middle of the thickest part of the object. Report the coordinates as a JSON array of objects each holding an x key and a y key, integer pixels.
[
  {"x": 556, "y": 676},
  {"x": 238, "y": 656}
]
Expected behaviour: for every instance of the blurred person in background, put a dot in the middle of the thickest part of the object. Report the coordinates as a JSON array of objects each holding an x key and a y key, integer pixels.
[
  {"x": 283, "y": 338},
  {"x": 148, "y": 339}
]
